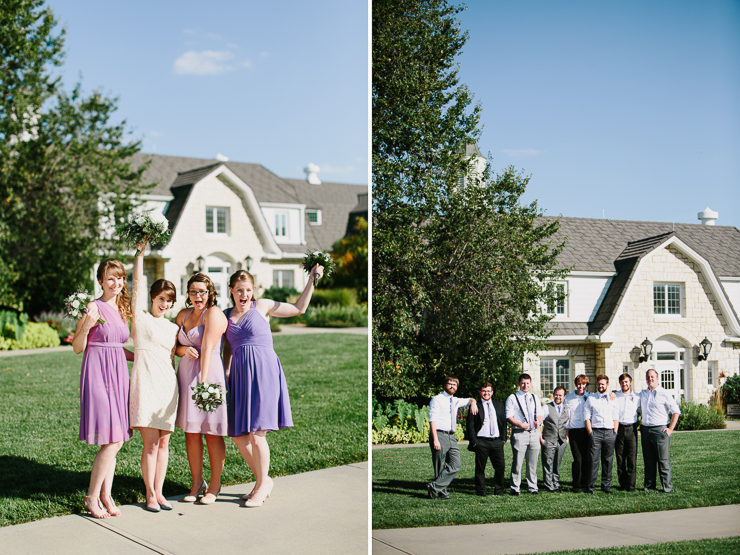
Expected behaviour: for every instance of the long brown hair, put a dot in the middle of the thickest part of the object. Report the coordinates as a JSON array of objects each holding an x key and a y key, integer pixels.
[
  {"x": 202, "y": 278},
  {"x": 123, "y": 301},
  {"x": 241, "y": 275}
]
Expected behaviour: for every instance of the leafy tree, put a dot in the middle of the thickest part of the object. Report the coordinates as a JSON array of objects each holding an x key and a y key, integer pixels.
[
  {"x": 64, "y": 171},
  {"x": 459, "y": 267},
  {"x": 350, "y": 254}
]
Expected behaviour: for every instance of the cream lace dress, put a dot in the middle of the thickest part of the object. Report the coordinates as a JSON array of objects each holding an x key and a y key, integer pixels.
[{"x": 153, "y": 394}]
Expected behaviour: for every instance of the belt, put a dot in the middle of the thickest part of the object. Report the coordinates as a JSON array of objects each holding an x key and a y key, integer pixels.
[
  {"x": 627, "y": 423},
  {"x": 661, "y": 426},
  {"x": 486, "y": 437},
  {"x": 444, "y": 432},
  {"x": 103, "y": 344}
]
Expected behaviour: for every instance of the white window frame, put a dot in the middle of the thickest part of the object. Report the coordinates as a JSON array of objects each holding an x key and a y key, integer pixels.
[
  {"x": 280, "y": 272},
  {"x": 285, "y": 216},
  {"x": 554, "y": 312},
  {"x": 664, "y": 285},
  {"x": 214, "y": 215},
  {"x": 568, "y": 380},
  {"x": 316, "y": 211},
  {"x": 711, "y": 372}
]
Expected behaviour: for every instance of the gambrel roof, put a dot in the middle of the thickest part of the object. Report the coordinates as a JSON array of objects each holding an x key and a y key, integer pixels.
[
  {"x": 175, "y": 176},
  {"x": 600, "y": 245}
]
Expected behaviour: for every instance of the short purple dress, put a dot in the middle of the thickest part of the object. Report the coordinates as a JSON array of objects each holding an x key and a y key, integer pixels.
[
  {"x": 190, "y": 418},
  {"x": 104, "y": 381},
  {"x": 258, "y": 395}
]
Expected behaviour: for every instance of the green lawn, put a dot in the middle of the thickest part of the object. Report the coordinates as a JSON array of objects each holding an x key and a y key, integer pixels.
[
  {"x": 45, "y": 469},
  {"x": 722, "y": 546},
  {"x": 706, "y": 472}
]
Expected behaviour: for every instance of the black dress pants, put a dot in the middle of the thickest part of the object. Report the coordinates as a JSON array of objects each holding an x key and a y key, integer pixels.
[
  {"x": 625, "y": 450},
  {"x": 492, "y": 449},
  {"x": 581, "y": 468}
]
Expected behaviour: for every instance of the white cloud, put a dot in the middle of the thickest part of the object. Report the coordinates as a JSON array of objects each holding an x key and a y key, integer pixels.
[
  {"x": 208, "y": 62},
  {"x": 520, "y": 152}
]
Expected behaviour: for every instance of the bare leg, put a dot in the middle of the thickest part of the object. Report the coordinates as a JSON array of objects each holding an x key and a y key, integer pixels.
[
  {"x": 163, "y": 457},
  {"x": 150, "y": 438},
  {"x": 261, "y": 459},
  {"x": 216, "y": 456},
  {"x": 244, "y": 444},
  {"x": 194, "y": 448},
  {"x": 101, "y": 478}
]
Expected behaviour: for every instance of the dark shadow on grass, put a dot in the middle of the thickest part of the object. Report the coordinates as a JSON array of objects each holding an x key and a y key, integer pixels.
[
  {"x": 463, "y": 486},
  {"x": 24, "y": 478}
]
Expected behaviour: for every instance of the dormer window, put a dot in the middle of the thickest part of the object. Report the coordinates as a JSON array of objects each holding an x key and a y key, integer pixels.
[
  {"x": 557, "y": 306},
  {"x": 314, "y": 217},
  {"x": 217, "y": 220},
  {"x": 667, "y": 299},
  {"x": 281, "y": 224}
]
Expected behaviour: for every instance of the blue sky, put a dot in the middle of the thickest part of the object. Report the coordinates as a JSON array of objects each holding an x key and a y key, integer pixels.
[
  {"x": 629, "y": 109},
  {"x": 280, "y": 84}
]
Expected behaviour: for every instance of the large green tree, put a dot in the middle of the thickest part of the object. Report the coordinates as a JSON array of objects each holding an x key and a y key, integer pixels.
[
  {"x": 64, "y": 172},
  {"x": 459, "y": 267}
]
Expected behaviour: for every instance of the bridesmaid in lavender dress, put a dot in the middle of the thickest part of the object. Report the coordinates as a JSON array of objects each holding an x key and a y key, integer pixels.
[
  {"x": 199, "y": 344},
  {"x": 104, "y": 383},
  {"x": 257, "y": 394}
]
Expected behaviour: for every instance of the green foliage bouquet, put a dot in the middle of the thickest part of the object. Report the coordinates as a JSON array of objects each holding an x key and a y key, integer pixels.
[
  {"x": 150, "y": 225},
  {"x": 76, "y": 305},
  {"x": 322, "y": 259},
  {"x": 208, "y": 396}
]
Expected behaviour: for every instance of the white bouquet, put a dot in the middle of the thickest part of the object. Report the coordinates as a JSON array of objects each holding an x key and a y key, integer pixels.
[
  {"x": 149, "y": 225},
  {"x": 76, "y": 304},
  {"x": 321, "y": 258},
  {"x": 208, "y": 396}
]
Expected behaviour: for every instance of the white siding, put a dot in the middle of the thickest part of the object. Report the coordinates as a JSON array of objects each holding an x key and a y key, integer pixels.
[
  {"x": 732, "y": 287},
  {"x": 585, "y": 296}
]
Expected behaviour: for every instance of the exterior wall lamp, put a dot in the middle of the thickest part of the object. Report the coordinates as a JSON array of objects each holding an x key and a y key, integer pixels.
[
  {"x": 646, "y": 348},
  {"x": 248, "y": 260},
  {"x": 705, "y": 347},
  {"x": 200, "y": 263}
]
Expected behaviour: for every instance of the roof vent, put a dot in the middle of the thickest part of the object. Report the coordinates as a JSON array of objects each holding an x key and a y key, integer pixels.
[
  {"x": 708, "y": 217},
  {"x": 221, "y": 158},
  {"x": 311, "y": 170}
]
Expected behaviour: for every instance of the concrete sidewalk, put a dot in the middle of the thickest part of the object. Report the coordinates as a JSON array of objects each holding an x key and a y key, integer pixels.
[
  {"x": 570, "y": 533},
  {"x": 321, "y": 512}
]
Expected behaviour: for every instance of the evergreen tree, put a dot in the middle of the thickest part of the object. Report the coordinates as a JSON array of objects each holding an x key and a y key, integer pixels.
[
  {"x": 64, "y": 172},
  {"x": 460, "y": 267}
]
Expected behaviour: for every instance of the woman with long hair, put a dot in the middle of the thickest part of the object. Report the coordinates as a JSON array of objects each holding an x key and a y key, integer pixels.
[
  {"x": 153, "y": 395},
  {"x": 202, "y": 325},
  {"x": 104, "y": 383},
  {"x": 258, "y": 395}
]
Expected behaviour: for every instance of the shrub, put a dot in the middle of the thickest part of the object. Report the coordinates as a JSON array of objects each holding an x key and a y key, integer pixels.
[
  {"x": 339, "y": 297},
  {"x": 334, "y": 316},
  {"x": 280, "y": 294},
  {"x": 274, "y": 324},
  {"x": 36, "y": 336},
  {"x": 699, "y": 417},
  {"x": 63, "y": 324},
  {"x": 12, "y": 324},
  {"x": 402, "y": 422},
  {"x": 731, "y": 390}
]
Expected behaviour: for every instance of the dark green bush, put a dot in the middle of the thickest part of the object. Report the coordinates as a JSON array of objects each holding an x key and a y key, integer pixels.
[
  {"x": 280, "y": 294},
  {"x": 699, "y": 417},
  {"x": 334, "y": 316},
  {"x": 731, "y": 390},
  {"x": 12, "y": 325},
  {"x": 338, "y": 297}
]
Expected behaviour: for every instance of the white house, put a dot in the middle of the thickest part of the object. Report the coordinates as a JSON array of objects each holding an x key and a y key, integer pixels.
[
  {"x": 225, "y": 216},
  {"x": 634, "y": 283}
]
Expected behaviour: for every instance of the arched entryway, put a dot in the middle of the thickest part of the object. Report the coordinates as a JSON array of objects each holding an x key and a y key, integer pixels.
[
  {"x": 219, "y": 269},
  {"x": 669, "y": 360}
]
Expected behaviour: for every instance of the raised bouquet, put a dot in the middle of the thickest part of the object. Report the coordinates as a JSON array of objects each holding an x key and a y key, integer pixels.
[
  {"x": 149, "y": 225},
  {"x": 76, "y": 305},
  {"x": 322, "y": 259},
  {"x": 208, "y": 396}
]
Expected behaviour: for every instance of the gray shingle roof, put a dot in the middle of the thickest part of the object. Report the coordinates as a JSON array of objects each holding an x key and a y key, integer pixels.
[
  {"x": 335, "y": 200},
  {"x": 568, "y": 328},
  {"x": 595, "y": 244}
]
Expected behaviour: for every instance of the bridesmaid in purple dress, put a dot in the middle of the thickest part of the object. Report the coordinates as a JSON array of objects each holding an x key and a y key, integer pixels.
[
  {"x": 199, "y": 344},
  {"x": 257, "y": 394},
  {"x": 104, "y": 383}
]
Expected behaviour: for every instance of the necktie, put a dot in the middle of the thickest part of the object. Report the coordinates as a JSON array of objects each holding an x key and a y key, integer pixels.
[
  {"x": 490, "y": 416},
  {"x": 453, "y": 425},
  {"x": 529, "y": 410},
  {"x": 560, "y": 411}
]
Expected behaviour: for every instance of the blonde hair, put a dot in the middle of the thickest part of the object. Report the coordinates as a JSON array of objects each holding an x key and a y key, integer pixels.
[
  {"x": 241, "y": 275},
  {"x": 123, "y": 300}
]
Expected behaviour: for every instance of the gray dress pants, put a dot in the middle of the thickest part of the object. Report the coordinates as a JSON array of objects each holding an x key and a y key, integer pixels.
[{"x": 446, "y": 461}]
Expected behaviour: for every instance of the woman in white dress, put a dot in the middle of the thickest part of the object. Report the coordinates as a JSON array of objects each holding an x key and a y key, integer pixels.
[{"x": 153, "y": 395}]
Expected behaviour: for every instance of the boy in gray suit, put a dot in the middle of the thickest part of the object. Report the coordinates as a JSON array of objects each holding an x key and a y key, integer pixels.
[{"x": 554, "y": 439}]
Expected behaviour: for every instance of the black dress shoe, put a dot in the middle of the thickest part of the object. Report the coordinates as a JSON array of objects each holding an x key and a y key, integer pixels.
[
  {"x": 607, "y": 491},
  {"x": 443, "y": 495},
  {"x": 576, "y": 490},
  {"x": 556, "y": 490},
  {"x": 480, "y": 493},
  {"x": 534, "y": 492},
  {"x": 430, "y": 491},
  {"x": 514, "y": 493}
]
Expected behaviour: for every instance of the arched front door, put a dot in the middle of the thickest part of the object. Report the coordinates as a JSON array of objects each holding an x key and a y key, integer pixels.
[
  {"x": 669, "y": 360},
  {"x": 219, "y": 270}
]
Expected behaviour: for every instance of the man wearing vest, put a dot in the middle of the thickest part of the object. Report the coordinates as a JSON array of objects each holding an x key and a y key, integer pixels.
[
  {"x": 524, "y": 412},
  {"x": 487, "y": 435},
  {"x": 554, "y": 439},
  {"x": 442, "y": 440},
  {"x": 655, "y": 431}
]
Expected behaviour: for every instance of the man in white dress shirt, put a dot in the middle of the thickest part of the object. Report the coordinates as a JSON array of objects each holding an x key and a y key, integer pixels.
[
  {"x": 625, "y": 448},
  {"x": 442, "y": 440},
  {"x": 656, "y": 404},
  {"x": 524, "y": 413},
  {"x": 577, "y": 434},
  {"x": 601, "y": 417}
]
